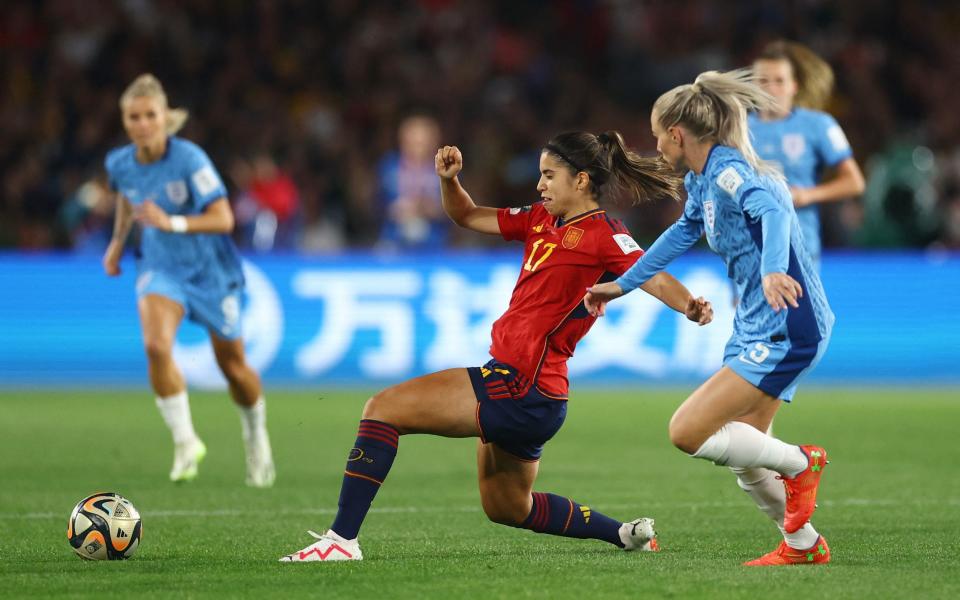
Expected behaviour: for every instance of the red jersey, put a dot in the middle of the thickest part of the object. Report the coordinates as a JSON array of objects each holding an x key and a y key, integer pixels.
[{"x": 546, "y": 317}]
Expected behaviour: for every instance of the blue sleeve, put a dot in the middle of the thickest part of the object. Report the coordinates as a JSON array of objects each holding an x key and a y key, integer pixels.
[
  {"x": 774, "y": 218},
  {"x": 831, "y": 143},
  {"x": 672, "y": 243},
  {"x": 203, "y": 178}
]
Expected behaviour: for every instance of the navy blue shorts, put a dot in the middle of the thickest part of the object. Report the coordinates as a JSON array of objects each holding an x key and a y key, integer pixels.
[{"x": 513, "y": 414}]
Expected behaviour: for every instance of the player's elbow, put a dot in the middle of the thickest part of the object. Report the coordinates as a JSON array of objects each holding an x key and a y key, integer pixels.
[
  {"x": 859, "y": 185},
  {"x": 227, "y": 223},
  {"x": 457, "y": 218},
  {"x": 218, "y": 217},
  {"x": 461, "y": 217},
  {"x": 851, "y": 174}
]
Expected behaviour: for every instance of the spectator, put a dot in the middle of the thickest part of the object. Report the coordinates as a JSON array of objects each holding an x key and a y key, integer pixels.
[
  {"x": 268, "y": 204},
  {"x": 412, "y": 212},
  {"x": 324, "y": 85}
]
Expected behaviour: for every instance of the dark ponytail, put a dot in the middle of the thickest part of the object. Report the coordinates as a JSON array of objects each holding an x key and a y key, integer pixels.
[{"x": 613, "y": 168}]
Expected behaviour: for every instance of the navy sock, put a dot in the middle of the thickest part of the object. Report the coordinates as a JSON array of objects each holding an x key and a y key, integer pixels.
[
  {"x": 557, "y": 515},
  {"x": 367, "y": 466}
]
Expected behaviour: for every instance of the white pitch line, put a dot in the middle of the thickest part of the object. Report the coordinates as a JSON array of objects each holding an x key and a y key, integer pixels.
[{"x": 866, "y": 502}]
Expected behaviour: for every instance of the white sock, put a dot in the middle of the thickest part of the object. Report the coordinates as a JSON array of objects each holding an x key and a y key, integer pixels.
[
  {"x": 765, "y": 489},
  {"x": 768, "y": 494},
  {"x": 737, "y": 444},
  {"x": 175, "y": 411},
  {"x": 253, "y": 419},
  {"x": 801, "y": 539}
]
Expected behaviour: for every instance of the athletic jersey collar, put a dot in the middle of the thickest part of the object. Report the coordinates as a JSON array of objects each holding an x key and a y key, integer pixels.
[
  {"x": 789, "y": 116},
  {"x": 706, "y": 163},
  {"x": 580, "y": 217},
  {"x": 718, "y": 154},
  {"x": 166, "y": 153}
]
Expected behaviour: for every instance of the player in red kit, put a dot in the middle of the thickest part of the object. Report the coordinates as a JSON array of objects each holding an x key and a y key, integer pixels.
[
  {"x": 541, "y": 327},
  {"x": 518, "y": 400}
]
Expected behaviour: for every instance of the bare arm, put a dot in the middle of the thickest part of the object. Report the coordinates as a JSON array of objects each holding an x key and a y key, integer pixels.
[
  {"x": 847, "y": 183},
  {"x": 674, "y": 294},
  {"x": 217, "y": 217},
  {"x": 122, "y": 221},
  {"x": 457, "y": 203},
  {"x": 668, "y": 290},
  {"x": 662, "y": 286}
]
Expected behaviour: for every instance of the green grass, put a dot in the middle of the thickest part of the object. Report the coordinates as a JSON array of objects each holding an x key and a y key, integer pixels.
[{"x": 890, "y": 503}]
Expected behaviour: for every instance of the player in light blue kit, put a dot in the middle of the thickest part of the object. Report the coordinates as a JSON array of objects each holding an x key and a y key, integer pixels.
[
  {"x": 186, "y": 266},
  {"x": 782, "y": 323},
  {"x": 801, "y": 140}
]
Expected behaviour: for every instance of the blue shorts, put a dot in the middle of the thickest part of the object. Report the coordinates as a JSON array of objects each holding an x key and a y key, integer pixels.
[
  {"x": 218, "y": 310},
  {"x": 518, "y": 424},
  {"x": 775, "y": 367}
]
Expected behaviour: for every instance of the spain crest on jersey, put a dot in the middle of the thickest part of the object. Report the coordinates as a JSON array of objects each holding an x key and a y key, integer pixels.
[{"x": 571, "y": 238}]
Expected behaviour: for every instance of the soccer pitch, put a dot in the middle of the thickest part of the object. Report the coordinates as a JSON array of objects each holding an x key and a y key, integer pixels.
[{"x": 889, "y": 503}]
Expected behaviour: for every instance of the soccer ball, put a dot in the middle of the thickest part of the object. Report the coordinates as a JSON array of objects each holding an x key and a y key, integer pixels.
[{"x": 104, "y": 526}]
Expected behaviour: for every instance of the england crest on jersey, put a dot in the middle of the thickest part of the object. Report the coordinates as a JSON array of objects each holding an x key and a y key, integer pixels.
[
  {"x": 793, "y": 146},
  {"x": 177, "y": 191},
  {"x": 709, "y": 215}
]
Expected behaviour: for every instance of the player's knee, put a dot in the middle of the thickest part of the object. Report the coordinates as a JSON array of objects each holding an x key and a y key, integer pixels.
[
  {"x": 233, "y": 368},
  {"x": 683, "y": 436},
  {"x": 158, "y": 348},
  {"x": 377, "y": 405},
  {"x": 505, "y": 512}
]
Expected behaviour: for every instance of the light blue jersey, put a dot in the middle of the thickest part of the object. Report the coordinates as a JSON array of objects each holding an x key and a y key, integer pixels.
[
  {"x": 201, "y": 271},
  {"x": 802, "y": 145},
  {"x": 750, "y": 222}
]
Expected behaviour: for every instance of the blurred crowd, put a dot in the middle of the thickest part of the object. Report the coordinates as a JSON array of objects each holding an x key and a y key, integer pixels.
[{"x": 323, "y": 117}]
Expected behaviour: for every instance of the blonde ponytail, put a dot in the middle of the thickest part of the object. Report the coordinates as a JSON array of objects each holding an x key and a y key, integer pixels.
[
  {"x": 813, "y": 75},
  {"x": 714, "y": 108},
  {"x": 149, "y": 86}
]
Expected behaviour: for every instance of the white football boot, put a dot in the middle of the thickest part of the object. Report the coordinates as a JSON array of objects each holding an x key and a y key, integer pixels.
[
  {"x": 186, "y": 460},
  {"x": 639, "y": 535},
  {"x": 327, "y": 548},
  {"x": 260, "y": 470}
]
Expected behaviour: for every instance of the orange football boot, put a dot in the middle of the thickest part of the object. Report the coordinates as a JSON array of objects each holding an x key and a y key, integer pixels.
[
  {"x": 802, "y": 489},
  {"x": 785, "y": 555}
]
